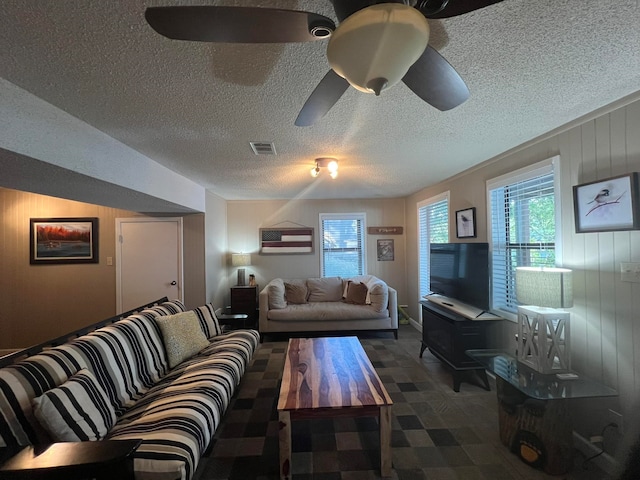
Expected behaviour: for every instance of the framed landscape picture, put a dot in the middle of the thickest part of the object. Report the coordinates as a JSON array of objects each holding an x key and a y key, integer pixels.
[
  {"x": 63, "y": 240},
  {"x": 607, "y": 205}
]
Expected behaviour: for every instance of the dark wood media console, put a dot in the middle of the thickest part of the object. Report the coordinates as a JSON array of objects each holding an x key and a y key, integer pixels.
[{"x": 449, "y": 334}]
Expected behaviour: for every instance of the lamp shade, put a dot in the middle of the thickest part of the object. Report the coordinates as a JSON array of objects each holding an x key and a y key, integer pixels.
[
  {"x": 374, "y": 48},
  {"x": 240, "y": 259},
  {"x": 544, "y": 287}
]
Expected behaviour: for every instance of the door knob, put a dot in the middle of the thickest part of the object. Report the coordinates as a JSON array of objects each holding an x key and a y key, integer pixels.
[{"x": 174, "y": 283}]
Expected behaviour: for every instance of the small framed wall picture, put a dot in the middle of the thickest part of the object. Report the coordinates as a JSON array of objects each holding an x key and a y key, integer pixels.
[
  {"x": 466, "y": 223},
  {"x": 385, "y": 250},
  {"x": 607, "y": 205}
]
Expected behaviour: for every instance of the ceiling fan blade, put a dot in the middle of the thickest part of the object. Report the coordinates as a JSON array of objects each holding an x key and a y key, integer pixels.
[
  {"x": 325, "y": 96},
  {"x": 452, "y": 7},
  {"x": 237, "y": 24},
  {"x": 434, "y": 80}
]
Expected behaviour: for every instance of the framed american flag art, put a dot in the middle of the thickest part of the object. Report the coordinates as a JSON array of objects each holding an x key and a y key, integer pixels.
[{"x": 286, "y": 241}]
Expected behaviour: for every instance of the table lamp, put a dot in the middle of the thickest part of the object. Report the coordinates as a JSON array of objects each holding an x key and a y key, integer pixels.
[
  {"x": 543, "y": 330},
  {"x": 241, "y": 260}
]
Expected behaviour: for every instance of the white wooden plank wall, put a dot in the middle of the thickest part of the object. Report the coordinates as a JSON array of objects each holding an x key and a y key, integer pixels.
[{"x": 605, "y": 328}]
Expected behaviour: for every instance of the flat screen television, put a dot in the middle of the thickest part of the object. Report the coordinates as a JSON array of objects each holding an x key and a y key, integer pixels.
[{"x": 461, "y": 271}]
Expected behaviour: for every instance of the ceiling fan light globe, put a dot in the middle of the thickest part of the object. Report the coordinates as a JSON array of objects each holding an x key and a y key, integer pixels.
[{"x": 378, "y": 42}]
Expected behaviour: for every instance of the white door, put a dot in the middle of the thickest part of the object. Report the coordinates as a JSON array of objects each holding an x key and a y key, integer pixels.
[{"x": 148, "y": 260}]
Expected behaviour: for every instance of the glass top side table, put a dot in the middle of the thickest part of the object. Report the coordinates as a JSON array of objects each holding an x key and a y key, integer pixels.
[
  {"x": 535, "y": 384},
  {"x": 534, "y": 409}
]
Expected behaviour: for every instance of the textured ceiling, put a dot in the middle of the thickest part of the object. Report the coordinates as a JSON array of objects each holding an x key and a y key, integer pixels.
[{"x": 194, "y": 107}]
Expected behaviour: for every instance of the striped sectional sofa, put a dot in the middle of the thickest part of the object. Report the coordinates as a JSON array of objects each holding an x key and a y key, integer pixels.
[{"x": 119, "y": 377}]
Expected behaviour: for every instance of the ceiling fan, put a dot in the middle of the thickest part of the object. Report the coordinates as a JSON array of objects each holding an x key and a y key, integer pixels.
[{"x": 393, "y": 33}]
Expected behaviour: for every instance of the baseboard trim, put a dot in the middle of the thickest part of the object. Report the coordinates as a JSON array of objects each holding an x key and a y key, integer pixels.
[
  {"x": 415, "y": 324},
  {"x": 605, "y": 462}
]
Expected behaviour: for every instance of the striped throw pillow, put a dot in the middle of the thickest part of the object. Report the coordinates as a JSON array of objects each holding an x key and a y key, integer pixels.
[
  {"x": 208, "y": 320},
  {"x": 77, "y": 410}
]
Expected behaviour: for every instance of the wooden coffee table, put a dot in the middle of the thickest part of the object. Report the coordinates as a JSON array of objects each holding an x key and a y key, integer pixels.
[{"x": 331, "y": 377}]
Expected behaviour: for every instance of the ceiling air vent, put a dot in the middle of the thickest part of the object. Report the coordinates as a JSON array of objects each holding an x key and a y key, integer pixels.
[{"x": 263, "y": 148}]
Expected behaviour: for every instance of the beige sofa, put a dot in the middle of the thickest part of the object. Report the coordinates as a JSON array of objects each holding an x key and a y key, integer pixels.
[{"x": 324, "y": 307}]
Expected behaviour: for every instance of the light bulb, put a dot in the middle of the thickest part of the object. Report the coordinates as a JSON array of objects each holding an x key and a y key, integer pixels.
[
  {"x": 333, "y": 166},
  {"x": 333, "y": 174},
  {"x": 315, "y": 171}
]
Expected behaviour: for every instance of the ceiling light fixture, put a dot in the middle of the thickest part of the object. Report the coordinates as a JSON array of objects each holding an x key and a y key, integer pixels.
[
  {"x": 331, "y": 164},
  {"x": 375, "y": 47}
]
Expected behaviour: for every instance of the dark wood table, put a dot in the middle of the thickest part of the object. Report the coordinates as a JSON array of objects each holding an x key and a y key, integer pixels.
[
  {"x": 327, "y": 378},
  {"x": 231, "y": 321},
  {"x": 102, "y": 460}
]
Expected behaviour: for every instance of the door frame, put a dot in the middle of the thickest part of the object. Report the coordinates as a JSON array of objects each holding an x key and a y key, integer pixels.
[{"x": 118, "y": 229}]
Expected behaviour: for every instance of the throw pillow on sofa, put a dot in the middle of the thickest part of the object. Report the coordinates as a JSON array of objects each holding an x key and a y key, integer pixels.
[
  {"x": 208, "y": 320},
  {"x": 78, "y": 410},
  {"x": 356, "y": 293},
  {"x": 276, "y": 294},
  {"x": 182, "y": 336},
  {"x": 295, "y": 292},
  {"x": 326, "y": 289}
]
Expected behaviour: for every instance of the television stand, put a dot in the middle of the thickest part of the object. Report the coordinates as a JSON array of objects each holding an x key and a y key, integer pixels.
[{"x": 448, "y": 334}]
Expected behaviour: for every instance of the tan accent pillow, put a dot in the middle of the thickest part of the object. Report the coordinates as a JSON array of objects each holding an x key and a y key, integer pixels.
[
  {"x": 295, "y": 293},
  {"x": 275, "y": 294},
  {"x": 327, "y": 289},
  {"x": 378, "y": 296},
  {"x": 356, "y": 293},
  {"x": 182, "y": 336}
]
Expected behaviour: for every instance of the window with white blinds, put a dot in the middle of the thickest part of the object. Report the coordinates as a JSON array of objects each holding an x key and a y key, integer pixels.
[
  {"x": 343, "y": 244},
  {"x": 523, "y": 214},
  {"x": 433, "y": 227}
]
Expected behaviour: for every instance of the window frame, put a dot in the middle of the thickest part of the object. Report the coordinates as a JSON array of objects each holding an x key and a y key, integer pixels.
[
  {"x": 362, "y": 218},
  {"x": 545, "y": 167}
]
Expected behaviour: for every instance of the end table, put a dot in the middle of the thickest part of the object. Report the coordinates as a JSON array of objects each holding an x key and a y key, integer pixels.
[{"x": 102, "y": 460}]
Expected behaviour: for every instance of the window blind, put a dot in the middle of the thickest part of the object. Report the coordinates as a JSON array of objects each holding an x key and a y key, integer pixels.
[
  {"x": 343, "y": 252},
  {"x": 523, "y": 230},
  {"x": 433, "y": 227}
]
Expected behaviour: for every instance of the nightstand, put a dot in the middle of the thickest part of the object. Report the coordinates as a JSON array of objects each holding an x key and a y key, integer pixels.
[{"x": 244, "y": 299}]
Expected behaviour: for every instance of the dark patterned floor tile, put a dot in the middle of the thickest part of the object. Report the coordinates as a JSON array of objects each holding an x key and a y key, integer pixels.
[
  {"x": 323, "y": 442},
  {"x": 325, "y": 462},
  {"x": 349, "y": 460},
  {"x": 301, "y": 443},
  {"x": 397, "y": 397},
  {"x": 430, "y": 457},
  {"x": 232, "y": 430},
  {"x": 399, "y": 439},
  {"x": 409, "y": 422},
  {"x": 442, "y": 437},
  {"x": 268, "y": 392},
  {"x": 243, "y": 404},
  {"x": 455, "y": 456},
  {"x": 256, "y": 429},
  {"x": 407, "y": 387},
  {"x": 412, "y": 474}
]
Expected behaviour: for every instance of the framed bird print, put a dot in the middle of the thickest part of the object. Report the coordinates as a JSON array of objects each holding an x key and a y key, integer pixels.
[
  {"x": 466, "y": 223},
  {"x": 607, "y": 205}
]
